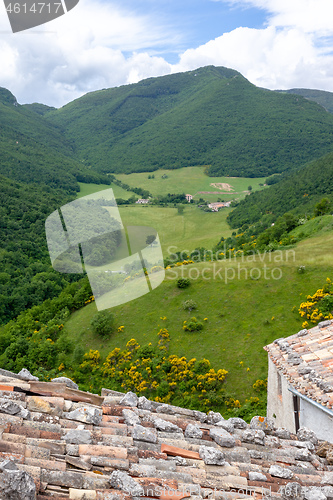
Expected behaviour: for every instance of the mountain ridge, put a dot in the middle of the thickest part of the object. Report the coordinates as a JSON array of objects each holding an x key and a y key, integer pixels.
[
  {"x": 36, "y": 151},
  {"x": 209, "y": 116},
  {"x": 322, "y": 97}
]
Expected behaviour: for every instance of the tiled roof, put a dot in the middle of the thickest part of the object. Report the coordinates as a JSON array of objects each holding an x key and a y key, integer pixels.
[
  {"x": 76, "y": 445},
  {"x": 306, "y": 360}
]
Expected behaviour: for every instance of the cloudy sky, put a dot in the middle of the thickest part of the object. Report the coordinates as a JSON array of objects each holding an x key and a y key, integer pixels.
[{"x": 276, "y": 44}]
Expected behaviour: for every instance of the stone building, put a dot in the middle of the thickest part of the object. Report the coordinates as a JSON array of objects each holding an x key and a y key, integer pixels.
[
  {"x": 300, "y": 381},
  {"x": 60, "y": 443}
]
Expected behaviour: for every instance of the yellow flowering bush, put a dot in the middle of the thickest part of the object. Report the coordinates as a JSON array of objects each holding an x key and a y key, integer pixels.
[
  {"x": 319, "y": 306},
  {"x": 148, "y": 370}
]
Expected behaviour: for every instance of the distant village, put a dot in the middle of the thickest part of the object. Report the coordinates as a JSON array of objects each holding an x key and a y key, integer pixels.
[{"x": 214, "y": 206}]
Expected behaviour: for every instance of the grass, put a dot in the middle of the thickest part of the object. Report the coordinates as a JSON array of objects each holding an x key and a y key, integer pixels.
[
  {"x": 194, "y": 228},
  {"x": 243, "y": 314},
  {"x": 190, "y": 180},
  {"x": 314, "y": 226}
]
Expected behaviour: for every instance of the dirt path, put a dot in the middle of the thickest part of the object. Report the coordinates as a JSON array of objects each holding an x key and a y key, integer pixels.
[
  {"x": 217, "y": 192},
  {"x": 223, "y": 186},
  {"x": 208, "y": 192}
]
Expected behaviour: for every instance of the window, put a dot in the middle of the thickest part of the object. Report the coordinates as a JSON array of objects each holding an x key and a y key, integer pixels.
[{"x": 279, "y": 385}]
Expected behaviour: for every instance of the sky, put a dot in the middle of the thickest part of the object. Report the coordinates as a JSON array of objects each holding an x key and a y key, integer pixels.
[{"x": 276, "y": 44}]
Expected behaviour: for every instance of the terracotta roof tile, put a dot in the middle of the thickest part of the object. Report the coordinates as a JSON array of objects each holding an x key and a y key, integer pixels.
[
  {"x": 313, "y": 375},
  {"x": 76, "y": 459}
]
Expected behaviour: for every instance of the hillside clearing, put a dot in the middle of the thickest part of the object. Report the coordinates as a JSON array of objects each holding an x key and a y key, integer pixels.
[
  {"x": 193, "y": 229},
  {"x": 247, "y": 305},
  {"x": 191, "y": 180}
]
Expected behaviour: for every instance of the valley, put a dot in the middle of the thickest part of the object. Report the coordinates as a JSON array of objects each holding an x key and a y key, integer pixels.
[
  {"x": 194, "y": 181},
  {"x": 216, "y": 137}
]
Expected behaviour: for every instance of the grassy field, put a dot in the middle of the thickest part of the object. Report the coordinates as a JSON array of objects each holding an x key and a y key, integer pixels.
[
  {"x": 194, "y": 228},
  {"x": 191, "y": 180},
  {"x": 118, "y": 191},
  {"x": 247, "y": 304},
  {"x": 244, "y": 311}
]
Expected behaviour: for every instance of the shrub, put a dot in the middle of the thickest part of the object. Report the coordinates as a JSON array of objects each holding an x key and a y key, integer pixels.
[
  {"x": 102, "y": 323},
  {"x": 323, "y": 207},
  {"x": 189, "y": 305},
  {"x": 78, "y": 354},
  {"x": 146, "y": 351},
  {"x": 319, "y": 306},
  {"x": 183, "y": 282},
  {"x": 193, "y": 325}
]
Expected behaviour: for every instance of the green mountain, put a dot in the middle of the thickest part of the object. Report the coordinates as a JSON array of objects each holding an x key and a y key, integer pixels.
[
  {"x": 40, "y": 109},
  {"x": 34, "y": 150},
  {"x": 298, "y": 192},
  {"x": 322, "y": 97},
  {"x": 210, "y": 116},
  {"x": 38, "y": 174}
]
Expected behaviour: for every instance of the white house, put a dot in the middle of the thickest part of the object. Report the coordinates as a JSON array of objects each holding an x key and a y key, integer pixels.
[
  {"x": 142, "y": 200},
  {"x": 300, "y": 381},
  {"x": 216, "y": 205},
  {"x": 189, "y": 197}
]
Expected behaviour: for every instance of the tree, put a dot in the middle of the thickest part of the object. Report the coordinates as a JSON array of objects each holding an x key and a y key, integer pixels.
[
  {"x": 323, "y": 207},
  {"x": 249, "y": 188},
  {"x": 102, "y": 323}
]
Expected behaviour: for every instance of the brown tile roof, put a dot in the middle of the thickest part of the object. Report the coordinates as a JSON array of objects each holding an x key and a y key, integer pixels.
[
  {"x": 77, "y": 445},
  {"x": 306, "y": 360}
]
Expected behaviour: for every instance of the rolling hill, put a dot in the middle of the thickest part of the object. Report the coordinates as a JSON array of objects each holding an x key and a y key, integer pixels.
[
  {"x": 242, "y": 304},
  {"x": 210, "y": 116},
  {"x": 297, "y": 192}
]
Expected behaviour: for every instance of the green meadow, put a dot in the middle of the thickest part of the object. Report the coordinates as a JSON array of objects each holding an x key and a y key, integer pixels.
[
  {"x": 187, "y": 231},
  {"x": 192, "y": 229},
  {"x": 244, "y": 305},
  {"x": 191, "y": 180},
  {"x": 118, "y": 191}
]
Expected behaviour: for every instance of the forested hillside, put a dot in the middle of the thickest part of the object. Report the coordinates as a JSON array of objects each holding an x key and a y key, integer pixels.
[
  {"x": 298, "y": 192},
  {"x": 26, "y": 276},
  {"x": 211, "y": 116},
  {"x": 38, "y": 174}
]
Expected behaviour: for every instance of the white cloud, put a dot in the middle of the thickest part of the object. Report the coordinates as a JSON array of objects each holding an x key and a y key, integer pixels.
[
  {"x": 94, "y": 46},
  {"x": 268, "y": 57},
  {"x": 307, "y": 15},
  {"x": 99, "y": 45},
  {"x": 294, "y": 50}
]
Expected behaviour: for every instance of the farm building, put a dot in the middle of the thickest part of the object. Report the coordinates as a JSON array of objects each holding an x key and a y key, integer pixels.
[{"x": 216, "y": 205}]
